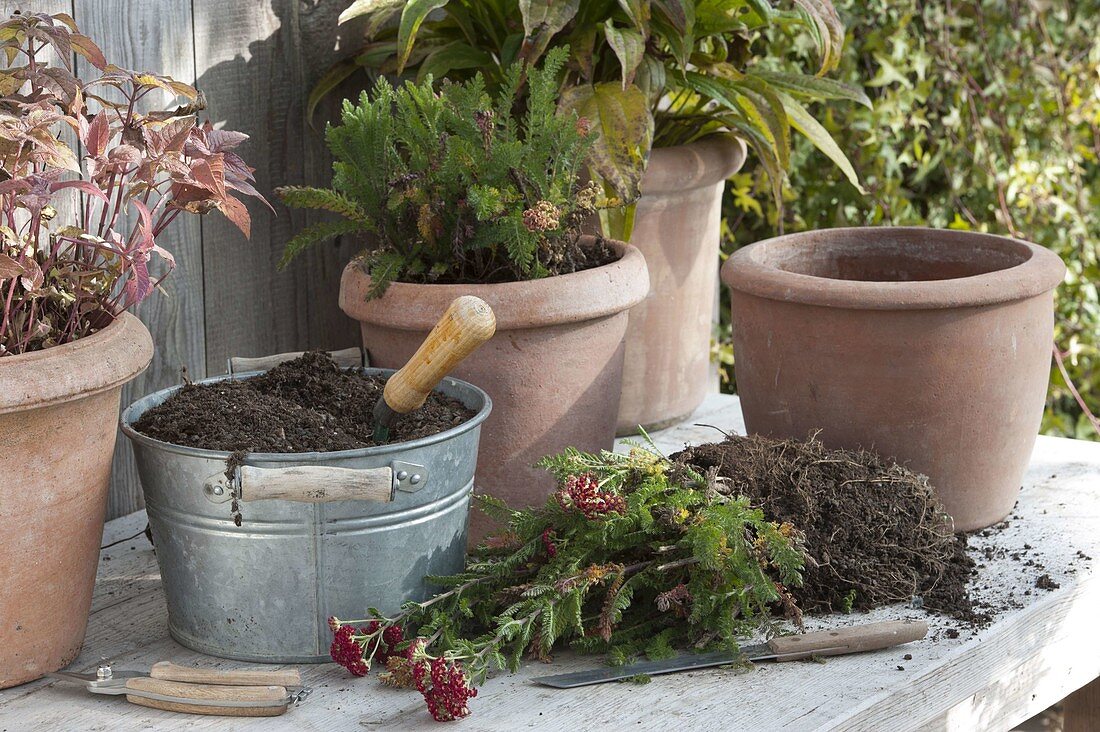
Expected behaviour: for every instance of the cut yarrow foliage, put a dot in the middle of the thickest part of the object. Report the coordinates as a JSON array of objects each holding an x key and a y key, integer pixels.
[
  {"x": 632, "y": 555},
  {"x": 66, "y": 275}
]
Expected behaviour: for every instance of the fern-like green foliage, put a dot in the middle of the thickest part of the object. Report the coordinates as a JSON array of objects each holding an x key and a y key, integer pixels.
[
  {"x": 450, "y": 187},
  {"x": 678, "y": 562}
]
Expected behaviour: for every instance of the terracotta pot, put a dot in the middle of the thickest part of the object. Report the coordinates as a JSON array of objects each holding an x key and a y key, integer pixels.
[
  {"x": 553, "y": 369},
  {"x": 58, "y": 422},
  {"x": 677, "y": 227},
  {"x": 931, "y": 347}
]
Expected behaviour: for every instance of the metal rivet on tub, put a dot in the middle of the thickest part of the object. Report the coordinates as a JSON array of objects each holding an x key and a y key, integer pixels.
[
  {"x": 401, "y": 475},
  {"x": 218, "y": 490},
  {"x": 415, "y": 479}
]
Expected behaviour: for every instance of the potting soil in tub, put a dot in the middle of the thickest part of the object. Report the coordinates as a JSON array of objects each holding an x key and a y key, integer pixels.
[{"x": 305, "y": 405}]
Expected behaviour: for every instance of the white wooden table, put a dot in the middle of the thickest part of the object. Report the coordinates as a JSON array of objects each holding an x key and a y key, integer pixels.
[{"x": 1041, "y": 648}]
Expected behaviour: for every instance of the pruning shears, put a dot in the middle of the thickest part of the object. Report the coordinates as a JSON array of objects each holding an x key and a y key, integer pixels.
[{"x": 173, "y": 688}]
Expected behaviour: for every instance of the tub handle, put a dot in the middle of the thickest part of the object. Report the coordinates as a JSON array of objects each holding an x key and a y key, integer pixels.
[{"x": 303, "y": 483}]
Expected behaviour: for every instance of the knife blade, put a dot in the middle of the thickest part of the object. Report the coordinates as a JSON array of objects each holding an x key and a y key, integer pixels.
[{"x": 835, "y": 642}]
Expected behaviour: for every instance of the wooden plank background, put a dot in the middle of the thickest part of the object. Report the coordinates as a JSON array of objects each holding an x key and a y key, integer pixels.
[{"x": 255, "y": 60}]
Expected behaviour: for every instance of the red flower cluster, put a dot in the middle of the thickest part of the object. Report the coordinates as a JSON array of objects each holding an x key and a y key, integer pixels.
[
  {"x": 445, "y": 687},
  {"x": 582, "y": 493},
  {"x": 347, "y": 652},
  {"x": 352, "y": 649},
  {"x": 548, "y": 543}
]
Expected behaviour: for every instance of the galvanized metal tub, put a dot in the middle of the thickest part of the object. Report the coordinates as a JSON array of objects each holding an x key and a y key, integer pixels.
[{"x": 263, "y": 591}]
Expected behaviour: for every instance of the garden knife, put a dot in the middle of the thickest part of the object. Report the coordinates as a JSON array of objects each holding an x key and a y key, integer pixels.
[
  {"x": 243, "y": 693},
  {"x": 853, "y": 639},
  {"x": 468, "y": 322}
]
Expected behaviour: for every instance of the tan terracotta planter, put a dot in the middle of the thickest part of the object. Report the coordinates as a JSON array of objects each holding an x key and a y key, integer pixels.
[
  {"x": 553, "y": 369},
  {"x": 677, "y": 227},
  {"x": 932, "y": 347},
  {"x": 58, "y": 421}
]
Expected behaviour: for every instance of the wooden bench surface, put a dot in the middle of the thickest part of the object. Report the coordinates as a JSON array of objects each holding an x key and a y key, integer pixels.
[{"x": 1042, "y": 646}]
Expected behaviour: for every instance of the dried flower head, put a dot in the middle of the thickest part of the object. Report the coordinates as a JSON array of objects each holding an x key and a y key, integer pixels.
[
  {"x": 677, "y": 597},
  {"x": 588, "y": 196},
  {"x": 398, "y": 673},
  {"x": 486, "y": 121},
  {"x": 543, "y": 216}
]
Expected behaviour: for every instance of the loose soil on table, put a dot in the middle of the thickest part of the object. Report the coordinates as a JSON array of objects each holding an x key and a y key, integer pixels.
[
  {"x": 874, "y": 532},
  {"x": 305, "y": 405}
]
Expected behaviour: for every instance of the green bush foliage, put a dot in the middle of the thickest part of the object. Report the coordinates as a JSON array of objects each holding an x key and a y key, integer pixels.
[
  {"x": 986, "y": 117},
  {"x": 646, "y": 73}
]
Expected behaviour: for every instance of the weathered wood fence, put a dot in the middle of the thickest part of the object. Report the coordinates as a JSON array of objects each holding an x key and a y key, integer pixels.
[{"x": 255, "y": 60}]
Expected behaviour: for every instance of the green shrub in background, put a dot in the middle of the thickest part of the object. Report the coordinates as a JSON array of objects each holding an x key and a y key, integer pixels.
[{"x": 986, "y": 117}]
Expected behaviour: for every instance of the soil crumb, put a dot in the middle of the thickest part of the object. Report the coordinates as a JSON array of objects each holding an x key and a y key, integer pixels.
[
  {"x": 1044, "y": 582},
  {"x": 305, "y": 405},
  {"x": 874, "y": 532}
]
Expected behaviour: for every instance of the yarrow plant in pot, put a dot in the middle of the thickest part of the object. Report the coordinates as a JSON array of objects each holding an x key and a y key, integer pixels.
[
  {"x": 454, "y": 193},
  {"x": 632, "y": 555},
  {"x": 78, "y": 228},
  {"x": 453, "y": 189}
]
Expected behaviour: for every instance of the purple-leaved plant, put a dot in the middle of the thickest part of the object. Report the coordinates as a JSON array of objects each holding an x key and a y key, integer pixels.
[{"x": 61, "y": 280}]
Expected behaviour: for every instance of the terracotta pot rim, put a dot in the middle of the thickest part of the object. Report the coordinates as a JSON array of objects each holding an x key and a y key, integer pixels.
[
  {"x": 695, "y": 165},
  {"x": 102, "y": 361},
  {"x": 569, "y": 298},
  {"x": 756, "y": 270}
]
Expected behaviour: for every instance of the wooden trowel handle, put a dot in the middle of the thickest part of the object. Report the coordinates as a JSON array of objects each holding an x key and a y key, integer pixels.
[
  {"x": 468, "y": 322},
  {"x": 853, "y": 639}
]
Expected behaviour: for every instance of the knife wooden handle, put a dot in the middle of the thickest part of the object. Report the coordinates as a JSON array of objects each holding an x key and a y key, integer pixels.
[
  {"x": 853, "y": 639},
  {"x": 197, "y": 698},
  {"x": 169, "y": 671},
  {"x": 468, "y": 322}
]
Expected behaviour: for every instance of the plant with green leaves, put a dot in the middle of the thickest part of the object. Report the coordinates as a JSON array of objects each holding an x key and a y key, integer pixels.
[
  {"x": 645, "y": 72},
  {"x": 632, "y": 555},
  {"x": 450, "y": 187},
  {"x": 986, "y": 117}
]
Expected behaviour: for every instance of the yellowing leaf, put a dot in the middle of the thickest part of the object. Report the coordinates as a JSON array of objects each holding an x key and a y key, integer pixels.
[
  {"x": 622, "y": 125},
  {"x": 411, "y": 17},
  {"x": 805, "y": 123},
  {"x": 542, "y": 19},
  {"x": 629, "y": 47}
]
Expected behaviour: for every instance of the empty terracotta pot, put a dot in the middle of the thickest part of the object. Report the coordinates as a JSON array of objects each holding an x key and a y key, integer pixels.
[
  {"x": 58, "y": 422},
  {"x": 553, "y": 370},
  {"x": 930, "y": 347},
  {"x": 677, "y": 228}
]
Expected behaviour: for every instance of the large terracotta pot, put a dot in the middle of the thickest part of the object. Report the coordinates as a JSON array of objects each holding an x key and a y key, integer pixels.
[
  {"x": 677, "y": 227},
  {"x": 931, "y": 347},
  {"x": 553, "y": 369},
  {"x": 58, "y": 422}
]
